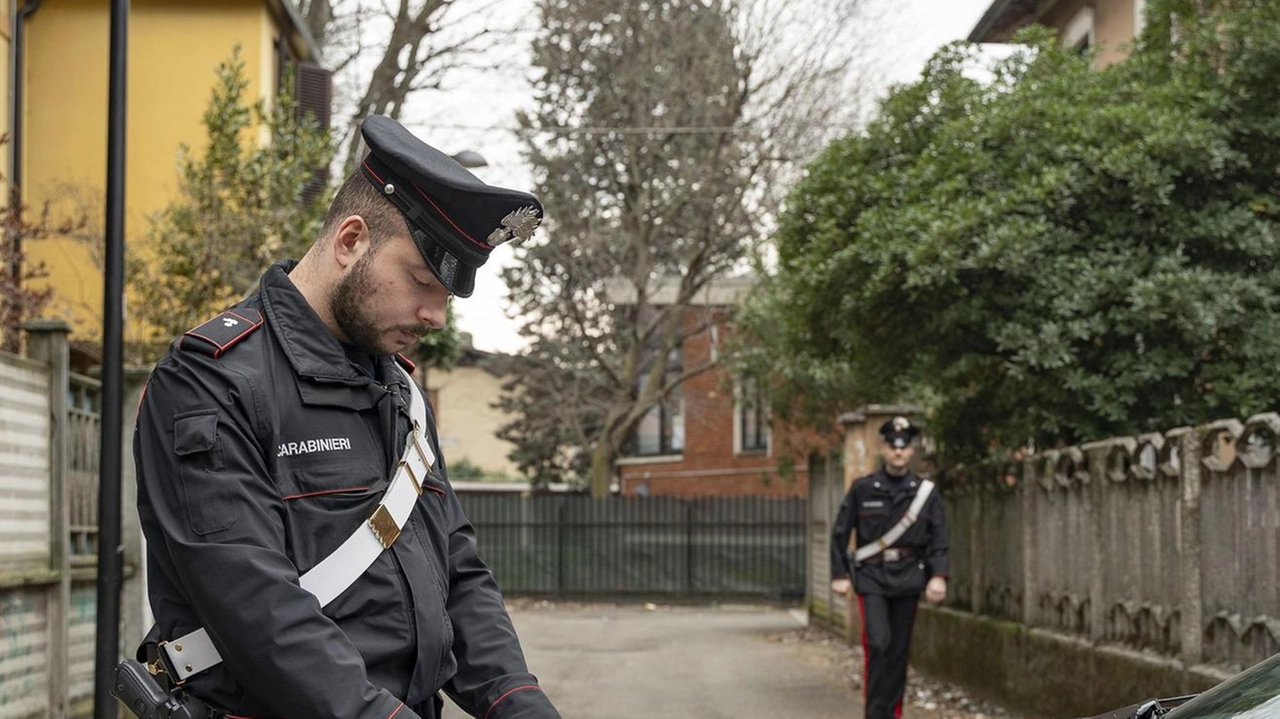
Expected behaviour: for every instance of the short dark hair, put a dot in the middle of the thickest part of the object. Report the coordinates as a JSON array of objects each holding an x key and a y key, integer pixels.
[{"x": 358, "y": 196}]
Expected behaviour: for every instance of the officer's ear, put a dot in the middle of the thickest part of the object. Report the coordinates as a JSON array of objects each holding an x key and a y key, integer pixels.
[{"x": 350, "y": 240}]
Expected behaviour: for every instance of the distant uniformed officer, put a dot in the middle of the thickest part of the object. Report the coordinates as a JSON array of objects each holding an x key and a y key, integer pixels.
[
  {"x": 307, "y": 556},
  {"x": 891, "y": 536}
]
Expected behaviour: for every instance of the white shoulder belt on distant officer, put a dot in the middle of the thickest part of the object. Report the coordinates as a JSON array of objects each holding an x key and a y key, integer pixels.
[
  {"x": 895, "y": 532},
  {"x": 193, "y": 653}
]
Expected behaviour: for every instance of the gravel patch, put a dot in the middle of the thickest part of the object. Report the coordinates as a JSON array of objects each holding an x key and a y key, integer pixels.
[{"x": 927, "y": 697}]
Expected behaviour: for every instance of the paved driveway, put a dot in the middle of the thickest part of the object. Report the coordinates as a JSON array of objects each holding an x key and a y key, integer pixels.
[{"x": 629, "y": 662}]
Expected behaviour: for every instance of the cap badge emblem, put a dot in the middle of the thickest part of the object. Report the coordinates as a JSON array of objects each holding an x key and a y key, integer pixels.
[
  {"x": 900, "y": 424},
  {"x": 517, "y": 225}
]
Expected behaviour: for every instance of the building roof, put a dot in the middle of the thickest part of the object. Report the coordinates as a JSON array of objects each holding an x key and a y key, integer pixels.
[
  {"x": 295, "y": 27},
  {"x": 860, "y": 414},
  {"x": 1006, "y": 17},
  {"x": 719, "y": 292}
]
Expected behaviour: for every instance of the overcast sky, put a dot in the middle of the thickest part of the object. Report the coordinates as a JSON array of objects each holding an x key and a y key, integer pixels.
[{"x": 478, "y": 114}]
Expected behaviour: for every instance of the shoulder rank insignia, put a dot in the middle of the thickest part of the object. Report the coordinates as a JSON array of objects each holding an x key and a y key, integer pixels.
[{"x": 220, "y": 333}]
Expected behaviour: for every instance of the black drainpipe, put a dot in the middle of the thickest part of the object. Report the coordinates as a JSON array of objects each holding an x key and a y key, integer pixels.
[{"x": 16, "y": 62}]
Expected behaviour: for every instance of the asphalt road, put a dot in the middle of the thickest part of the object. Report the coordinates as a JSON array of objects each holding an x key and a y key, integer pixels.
[{"x": 633, "y": 662}]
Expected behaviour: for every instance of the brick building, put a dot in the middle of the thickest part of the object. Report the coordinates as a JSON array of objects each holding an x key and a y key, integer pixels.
[
  {"x": 716, "y": 437},
  {"x": 1107, "y": 26}
]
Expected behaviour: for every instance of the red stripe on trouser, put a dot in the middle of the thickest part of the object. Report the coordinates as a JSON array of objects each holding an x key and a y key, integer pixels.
[
  {"x": 866, "y": 652},
  {"x": 897, "y": 708}
]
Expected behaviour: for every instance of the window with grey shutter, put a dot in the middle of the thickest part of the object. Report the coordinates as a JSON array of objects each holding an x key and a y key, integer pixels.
[{"x": 315, "y": 95}]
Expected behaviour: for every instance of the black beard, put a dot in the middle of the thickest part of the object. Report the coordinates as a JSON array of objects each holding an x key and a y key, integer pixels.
[{"x": 348, "y": 312}]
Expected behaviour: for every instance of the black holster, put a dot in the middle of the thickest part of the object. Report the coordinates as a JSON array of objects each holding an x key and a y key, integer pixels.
[
  {"x": 139, "y": 690},
  {"x": 151, "y": 695}
]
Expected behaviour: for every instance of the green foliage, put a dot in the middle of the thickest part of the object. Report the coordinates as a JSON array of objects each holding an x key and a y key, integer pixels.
[
  {"x": 240, "y": 206},
  {"x": 465, "y": 470},
  {"x": 19, "y": 300},
  {"x": 442, "y": 348},
  {"x": 1056, "y": 254}
]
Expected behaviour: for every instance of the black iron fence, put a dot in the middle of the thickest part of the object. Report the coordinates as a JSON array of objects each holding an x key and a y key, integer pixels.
[{"x": 566, "y": 545}]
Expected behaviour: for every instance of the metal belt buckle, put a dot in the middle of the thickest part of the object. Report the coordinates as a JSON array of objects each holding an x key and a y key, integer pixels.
[
  {"x": 413, "y": 476},
  {"x": 892, "y": 555},
  {"x": 413, "y": 437},
  {"x": 161, "y": 664},
  {"x": 384, "y": 526}
]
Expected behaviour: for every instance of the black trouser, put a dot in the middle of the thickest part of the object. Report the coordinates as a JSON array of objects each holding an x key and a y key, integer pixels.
[{"x": 886, "y": 643}]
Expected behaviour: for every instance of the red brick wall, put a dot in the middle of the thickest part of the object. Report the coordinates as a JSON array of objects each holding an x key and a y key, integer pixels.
[{"x": 709, "y": 465}]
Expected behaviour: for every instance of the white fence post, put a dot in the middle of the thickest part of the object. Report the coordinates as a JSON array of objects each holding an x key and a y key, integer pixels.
[
  {"x": 135, "y": 615},
  {"x": 1096, "y": 454},
  {"x": 1028, "y": 490},
  {"x": 1191, "y": 611},
  {"x": 47, "y": 343}
]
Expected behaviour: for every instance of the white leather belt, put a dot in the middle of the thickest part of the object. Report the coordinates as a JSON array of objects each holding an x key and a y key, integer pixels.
[
  {"x": 895, "y": 532},
  {"x": 193, "y": 653}
]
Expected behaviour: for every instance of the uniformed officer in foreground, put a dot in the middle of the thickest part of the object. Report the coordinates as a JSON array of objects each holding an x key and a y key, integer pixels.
[
  {"x": 891, "y": 536},
  {"x": 307, "y": 557}
]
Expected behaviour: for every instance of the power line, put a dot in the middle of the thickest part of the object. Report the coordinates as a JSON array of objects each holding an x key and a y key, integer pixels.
[{"x": 687, "y": 130}]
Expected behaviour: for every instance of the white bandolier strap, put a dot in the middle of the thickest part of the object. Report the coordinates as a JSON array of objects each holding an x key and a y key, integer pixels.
[
  {"x": 193, "y": 653},
  {"x": 895, "y": 532}
]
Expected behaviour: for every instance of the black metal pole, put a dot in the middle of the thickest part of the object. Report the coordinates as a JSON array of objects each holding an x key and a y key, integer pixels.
[{"x": 110, "y": 549}]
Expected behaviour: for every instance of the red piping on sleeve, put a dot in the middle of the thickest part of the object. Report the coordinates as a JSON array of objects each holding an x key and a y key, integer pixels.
[
  {"x": 397, "y": 711},
  {"x": 322, "y": 492},
  {"x": 497, "y": 701}
]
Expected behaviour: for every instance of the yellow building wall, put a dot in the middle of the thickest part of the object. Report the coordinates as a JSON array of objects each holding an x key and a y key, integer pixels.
[
  {"x": 6, "y": 45},
  {"x": 174, "y": 48},
  {"x": 1113, "y": 23},
  {"x": 466, "y": 420}
]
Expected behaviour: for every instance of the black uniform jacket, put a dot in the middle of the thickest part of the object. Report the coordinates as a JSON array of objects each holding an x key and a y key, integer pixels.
[
  {"x": 872, "y": 506},
  {"x": 253, "y": 466}
]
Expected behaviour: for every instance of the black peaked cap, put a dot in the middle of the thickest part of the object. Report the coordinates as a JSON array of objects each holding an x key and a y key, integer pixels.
[
  {"x": 455, "y": 219},
  {"x": 899, "y": 431}
]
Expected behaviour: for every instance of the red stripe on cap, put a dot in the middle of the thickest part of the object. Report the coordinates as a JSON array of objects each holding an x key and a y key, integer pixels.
[{"x": 483, "y": 245}]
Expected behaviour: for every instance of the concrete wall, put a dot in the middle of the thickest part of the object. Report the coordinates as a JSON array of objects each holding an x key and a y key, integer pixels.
[
  {"x": 1105, "y": 573},
  {"x": 1044, "y": 673}
]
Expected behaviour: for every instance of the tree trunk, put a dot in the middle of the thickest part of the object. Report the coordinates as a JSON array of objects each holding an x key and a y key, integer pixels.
[{"x": 602, "y": 458}]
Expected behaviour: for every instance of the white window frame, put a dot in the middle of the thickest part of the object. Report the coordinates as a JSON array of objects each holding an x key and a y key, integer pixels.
[
  {"x": 669, "y": 413},
  {"x": 1139, "y": 17},
  {"x": 1079, "y": 32},
  {"x": 739, "y": 405}
]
